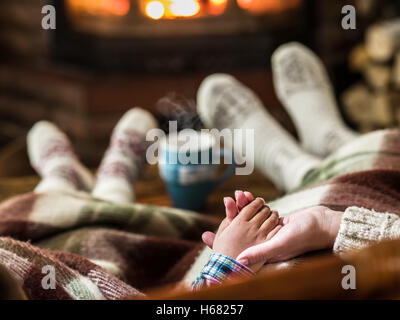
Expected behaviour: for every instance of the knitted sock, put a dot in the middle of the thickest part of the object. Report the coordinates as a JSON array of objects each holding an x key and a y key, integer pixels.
[
  {"x": 52, "y": 156},
  {"x": 302, "y": 84},
  {"x": 223, "y": 102},
  {"x": 124, "y": 158}
]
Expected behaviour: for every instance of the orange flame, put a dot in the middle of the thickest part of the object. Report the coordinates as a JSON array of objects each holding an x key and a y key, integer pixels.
[
  {"x": 157, "y": 9},
  {"x": 265, "y": 6},
  {"x": 100, "y": 7},
  {"x": 217, "y": 7}
]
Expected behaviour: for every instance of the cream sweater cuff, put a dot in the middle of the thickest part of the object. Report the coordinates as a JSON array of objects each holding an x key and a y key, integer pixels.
[{"x": 361, "y": 227}]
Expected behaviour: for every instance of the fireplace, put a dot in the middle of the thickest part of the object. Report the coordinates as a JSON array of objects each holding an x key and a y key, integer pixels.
[
  {"x": 175, "y": 35},
  {"x": 166, "y": 18},
  {"x": 107, "y": 56}
]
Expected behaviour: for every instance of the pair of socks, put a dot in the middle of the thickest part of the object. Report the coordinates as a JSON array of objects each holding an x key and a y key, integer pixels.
[
  {"x": 304, "y": 89},
  {"x": 53, "y": 157}
]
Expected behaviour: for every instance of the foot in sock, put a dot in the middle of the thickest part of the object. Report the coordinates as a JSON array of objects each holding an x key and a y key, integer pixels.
[
  {"x": 303, "y": 87},
  {"x": 52, "y": 156},
  {"x": 223, "y": 102},
  {"x": 124, "y": 158},
  {"x": 250, "y": 227}
]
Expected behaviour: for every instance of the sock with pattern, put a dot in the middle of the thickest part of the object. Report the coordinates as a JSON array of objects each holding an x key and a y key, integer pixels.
[
  {"x": 223, "y": 102},
  {"x": 124, "y": 158},
  {"x": 302, "y": 85}
]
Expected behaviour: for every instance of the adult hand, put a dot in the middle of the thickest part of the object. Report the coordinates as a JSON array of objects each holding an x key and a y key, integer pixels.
[{"x": 304, "y": 231}]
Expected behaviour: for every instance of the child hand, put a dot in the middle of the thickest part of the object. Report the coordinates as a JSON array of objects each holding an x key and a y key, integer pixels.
[
  {"x": 251, "y": 227},
  {"x": 232, "y": 209}
]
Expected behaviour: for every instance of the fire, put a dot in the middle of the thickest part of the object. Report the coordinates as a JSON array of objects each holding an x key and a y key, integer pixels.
[
  {"x": 217, "y": 7},
  {"x": 218, "y": 2},
  {"x": 157, "y": 9},
  {"x": 268, "y": 6},
  {"x": 184, "y": 8},
  {"x": 245, "y": 4},
  {"x": 100, "y": 7}
]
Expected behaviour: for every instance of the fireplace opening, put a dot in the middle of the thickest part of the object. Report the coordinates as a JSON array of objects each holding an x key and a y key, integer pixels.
[{"x": 175, "y": 35}]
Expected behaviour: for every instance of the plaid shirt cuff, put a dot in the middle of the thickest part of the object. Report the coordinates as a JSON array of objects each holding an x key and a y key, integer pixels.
[{"x": 218, "y": 269}]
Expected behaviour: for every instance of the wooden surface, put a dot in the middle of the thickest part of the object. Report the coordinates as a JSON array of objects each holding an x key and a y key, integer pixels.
[{"x": 151, "y": 189}]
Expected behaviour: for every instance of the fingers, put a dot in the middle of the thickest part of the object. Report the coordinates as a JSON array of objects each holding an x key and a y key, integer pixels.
[
  {"x": 274, "y": 232},
  {"x": 208, "y": 238},
  {"x": 251, "y": 210},
  {"x": 261, "y": 216},
  {"x": 284, "y": 220},
  {"x": 260, "y": 253},
  {"x": 241, "y": 200},
  {"x": 269, "y": 224},
  {"x": 230, "y": 208},
  {"x": 249, "y": 196}
]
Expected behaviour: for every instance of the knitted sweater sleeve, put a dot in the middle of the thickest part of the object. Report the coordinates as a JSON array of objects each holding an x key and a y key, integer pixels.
[{"x": 360, "y": 228}]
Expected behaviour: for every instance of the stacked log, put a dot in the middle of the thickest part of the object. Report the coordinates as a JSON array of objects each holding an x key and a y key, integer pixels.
[{"x": 374, "y": 102}]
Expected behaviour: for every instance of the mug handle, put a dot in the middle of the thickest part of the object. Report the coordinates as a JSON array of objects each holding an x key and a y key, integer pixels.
[{"x": 229, "y": 171}]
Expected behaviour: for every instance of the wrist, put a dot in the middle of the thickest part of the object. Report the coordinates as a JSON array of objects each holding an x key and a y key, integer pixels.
[{"x": 332, "y": 223}]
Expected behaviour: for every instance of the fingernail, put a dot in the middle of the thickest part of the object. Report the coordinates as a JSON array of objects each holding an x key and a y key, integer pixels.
[
  {"x": 244, "y": 262},
  {"x": 285, "y": 220},
  {"x": 225, "y": 200},
  {"x": 248, "y": 194}
]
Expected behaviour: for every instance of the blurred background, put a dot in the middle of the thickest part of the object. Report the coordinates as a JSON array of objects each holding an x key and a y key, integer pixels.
[{"x": 107, "y": 56}]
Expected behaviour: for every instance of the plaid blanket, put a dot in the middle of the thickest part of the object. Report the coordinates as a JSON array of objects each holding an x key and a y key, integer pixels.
[{"x": 100, "y": 250}]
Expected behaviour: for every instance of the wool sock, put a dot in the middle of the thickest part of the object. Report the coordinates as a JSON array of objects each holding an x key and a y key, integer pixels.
[
  {"x": 124, "y": 158},
  {"x": 52, "y": 156},
  {"x": 303, "y": 87},
  {"x": 223, "y": 102}
]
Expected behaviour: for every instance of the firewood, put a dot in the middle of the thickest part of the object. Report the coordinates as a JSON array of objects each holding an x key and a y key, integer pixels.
[
  {"x": 378, "y": 76},
  {"x": 366, "y": 7},
  {"x": 396, "y": 71},
  {"x": 367, "y": 127},
  {"x": 396, "y": 106},
  {"x": 382, "y": 109},
  {"x": 357, "y": 104},
  {"x": 359, "y": 58},
  {"x": 397, "y": 115},
  {"x": 383, "y": 39}
]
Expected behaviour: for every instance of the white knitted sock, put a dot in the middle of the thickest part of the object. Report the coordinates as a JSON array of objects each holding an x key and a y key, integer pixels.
[
  {"x": 302, "y": 84},
  {"x": 51, "y": 154},
  {"x": 223, "y": 102},
  {"x": 124, "y": 158}
]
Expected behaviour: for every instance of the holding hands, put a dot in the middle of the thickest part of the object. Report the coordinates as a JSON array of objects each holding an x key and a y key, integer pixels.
[{"x": 254, "y": 235}]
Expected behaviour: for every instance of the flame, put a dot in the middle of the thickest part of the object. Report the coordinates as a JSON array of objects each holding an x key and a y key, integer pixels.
[
  {"x": 217, "y": 7},
  {"x": 245, "y": 4},
  {"x": 218, "y": 2},
  {"x": 264, "y": 6},
  {"x": 101, "y": 7},
  {"x": 155, "y": 10},
  {"x": 184, "y": 8}
]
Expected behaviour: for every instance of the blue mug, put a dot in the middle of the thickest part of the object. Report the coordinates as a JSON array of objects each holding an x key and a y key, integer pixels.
[{"x": 188, "y": 163}]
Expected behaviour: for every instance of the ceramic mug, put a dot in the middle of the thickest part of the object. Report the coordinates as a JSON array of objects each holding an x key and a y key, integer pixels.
[{"x": 188, "y": 164}]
